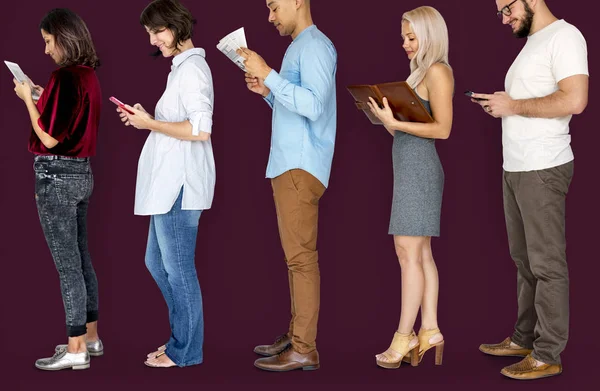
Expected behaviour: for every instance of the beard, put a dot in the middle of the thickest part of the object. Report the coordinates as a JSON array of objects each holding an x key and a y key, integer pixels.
[{"x": 526, "y": 22}]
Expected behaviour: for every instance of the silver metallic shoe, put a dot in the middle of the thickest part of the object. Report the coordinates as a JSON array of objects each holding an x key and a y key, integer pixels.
[
  {"x": 95, "y": 348},
  {"x": 64, "y": 360}
]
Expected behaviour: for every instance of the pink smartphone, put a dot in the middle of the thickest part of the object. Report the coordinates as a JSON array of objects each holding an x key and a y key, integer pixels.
[{"x": 120, "y": 104}]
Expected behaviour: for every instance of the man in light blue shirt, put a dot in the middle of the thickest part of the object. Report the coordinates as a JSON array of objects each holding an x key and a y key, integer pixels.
[{"x": 302, "y": 96}]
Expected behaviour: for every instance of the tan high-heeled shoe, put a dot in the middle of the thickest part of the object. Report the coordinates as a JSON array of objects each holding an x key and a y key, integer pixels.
[
  {"x": 424, "y": 337},
  {"x": 401, "y": 345}
]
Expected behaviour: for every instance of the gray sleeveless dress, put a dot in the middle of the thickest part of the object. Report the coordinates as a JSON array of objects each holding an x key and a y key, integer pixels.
[{"x": 418, "y": 185}]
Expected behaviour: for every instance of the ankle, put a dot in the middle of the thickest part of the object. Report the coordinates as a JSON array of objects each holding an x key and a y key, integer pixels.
[
  {"x": 89, "y": 337},
  {"x": 515, "y": 346},
  {"x": 538, "y": 363},
  {"x": 76, "y": 344},
  {"x": 429, "y": 326},
  {"x": 76, "y": 349}
]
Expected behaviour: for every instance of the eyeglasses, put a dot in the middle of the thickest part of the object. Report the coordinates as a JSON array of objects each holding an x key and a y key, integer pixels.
[{"x": 505, "y": 10}]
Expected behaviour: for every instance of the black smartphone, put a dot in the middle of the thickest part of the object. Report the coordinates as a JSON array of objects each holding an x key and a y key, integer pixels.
[{"x": 470, "y": 94}]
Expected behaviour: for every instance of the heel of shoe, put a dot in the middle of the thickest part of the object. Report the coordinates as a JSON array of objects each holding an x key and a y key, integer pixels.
[
  {"x": 311, "y": 367},
  {"x": 439, "y": 353},
  {"x": 79, "y": 367},
  {"x": 414, "y": 356}
]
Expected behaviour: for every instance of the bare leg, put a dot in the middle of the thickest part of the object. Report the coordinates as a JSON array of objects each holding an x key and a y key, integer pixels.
[
  {"x": 409, "y": 250},
  {"x": 431, "y": 293}
]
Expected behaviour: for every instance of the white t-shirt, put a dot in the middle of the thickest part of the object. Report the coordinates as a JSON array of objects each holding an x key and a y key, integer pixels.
[
  {"x": 551, "y": 54},
  {"x": 166, "y": 163}
]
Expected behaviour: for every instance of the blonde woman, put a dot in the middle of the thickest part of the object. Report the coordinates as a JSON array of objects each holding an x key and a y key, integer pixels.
[{"x": 418, "y": 185}]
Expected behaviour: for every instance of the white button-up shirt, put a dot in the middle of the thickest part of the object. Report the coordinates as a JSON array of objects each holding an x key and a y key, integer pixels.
[{"x": 167, "y": 164}]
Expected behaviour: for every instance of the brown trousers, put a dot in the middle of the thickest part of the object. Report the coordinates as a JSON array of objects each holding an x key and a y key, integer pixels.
[
  {"x": 534, "y": 208},
  {"x": 297, "y": 194}
]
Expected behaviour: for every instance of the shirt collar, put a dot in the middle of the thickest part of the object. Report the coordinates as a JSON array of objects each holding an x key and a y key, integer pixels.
[
  {"x": 181, "y": 57},
  {"x": 311, "y": 27}
]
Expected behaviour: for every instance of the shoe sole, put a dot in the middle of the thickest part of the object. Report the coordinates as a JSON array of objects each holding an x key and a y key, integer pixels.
[
  {"x": 159, "y": 366},
  {"x": 503, "y": 355},
  {"x": 74, "y": 367},
  {"x": 305, "y": 368},
  {"x": 530, "y": 378},
  {"x": 389, "y": 365}
]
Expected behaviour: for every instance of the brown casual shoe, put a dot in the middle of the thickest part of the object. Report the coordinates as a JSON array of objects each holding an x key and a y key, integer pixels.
[
  {"x": 280, "y": 344},
  {"x": 526, "y": 369},
  {"x": 504, "y": 349},
  {"x": 288, "y": 360}
]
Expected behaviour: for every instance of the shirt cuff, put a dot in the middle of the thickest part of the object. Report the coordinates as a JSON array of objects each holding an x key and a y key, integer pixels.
[
  {"x": 270, "y": 99},
  {"x": 274, "y": 82},
  {"x": 200, "y": 123}
]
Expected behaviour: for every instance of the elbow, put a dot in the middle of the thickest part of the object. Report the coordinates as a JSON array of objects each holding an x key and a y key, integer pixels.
[
  {"x": 579, "y": 106},
  {"x": 444, "y": 133},
  {"x": 202, "y": 136},
  {"x": 315, "y": 114},
  {"x": 51, "y": 143},
  {"x": 316, "y": 111}
]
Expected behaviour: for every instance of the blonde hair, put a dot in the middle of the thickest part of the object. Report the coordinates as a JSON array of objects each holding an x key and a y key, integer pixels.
[{"x": 431, "y": 31}]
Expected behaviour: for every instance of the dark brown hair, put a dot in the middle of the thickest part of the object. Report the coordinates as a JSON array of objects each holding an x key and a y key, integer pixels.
[
  {"x": 72, "y": 36},
  {"x": 169, "y": 14}
]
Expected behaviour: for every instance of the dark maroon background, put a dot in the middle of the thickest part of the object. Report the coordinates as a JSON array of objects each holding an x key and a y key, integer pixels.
[{"x": 240, "y": 263}]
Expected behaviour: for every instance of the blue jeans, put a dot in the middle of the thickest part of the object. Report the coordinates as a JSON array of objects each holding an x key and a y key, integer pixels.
[{"x": 170, "y": 260}]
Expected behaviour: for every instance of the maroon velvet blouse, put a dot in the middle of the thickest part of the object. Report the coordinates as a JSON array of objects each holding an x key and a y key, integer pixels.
[{"x": 70, "y": 112}]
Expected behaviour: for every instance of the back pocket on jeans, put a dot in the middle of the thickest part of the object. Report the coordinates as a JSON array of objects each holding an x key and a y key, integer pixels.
[{"x": 71, "y": 188}]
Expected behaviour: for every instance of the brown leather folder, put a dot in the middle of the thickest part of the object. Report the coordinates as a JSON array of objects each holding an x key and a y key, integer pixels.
[{"x": 403, "y": 101}]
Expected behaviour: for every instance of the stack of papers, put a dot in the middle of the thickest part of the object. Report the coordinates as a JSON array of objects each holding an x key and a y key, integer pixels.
[{"x": 231, "y": 43}]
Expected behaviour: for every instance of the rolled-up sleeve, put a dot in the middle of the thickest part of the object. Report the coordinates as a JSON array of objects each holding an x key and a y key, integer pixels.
[{"x": 197, "y": 97}]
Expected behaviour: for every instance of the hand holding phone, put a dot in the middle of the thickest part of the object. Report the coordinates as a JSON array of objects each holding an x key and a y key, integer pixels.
[
  {"x": 120, "y": 104},
  {"x": 470, "y": 94}
]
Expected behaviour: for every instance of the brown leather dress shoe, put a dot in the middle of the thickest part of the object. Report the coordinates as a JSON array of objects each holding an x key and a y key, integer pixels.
[
  {"x": 280, "y": 344},
  {"x": 526, "y": 369},
  {"x": 288, "y": 360},
  {"x": 504, "y": 349}
]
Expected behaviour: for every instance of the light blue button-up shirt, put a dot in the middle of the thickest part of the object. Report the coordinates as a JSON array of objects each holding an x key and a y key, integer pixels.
[{"x": 304, "y": 107}]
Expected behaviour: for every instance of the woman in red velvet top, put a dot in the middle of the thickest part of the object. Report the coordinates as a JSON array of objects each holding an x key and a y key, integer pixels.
[{"x": 64, "y": 129}]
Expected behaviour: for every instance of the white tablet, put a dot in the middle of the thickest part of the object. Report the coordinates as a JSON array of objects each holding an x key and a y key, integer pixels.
[{"x": 17, "y": 72}]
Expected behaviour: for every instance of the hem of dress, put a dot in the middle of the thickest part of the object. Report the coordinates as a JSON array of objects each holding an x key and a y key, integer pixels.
[{"x": 433, "y": 235}]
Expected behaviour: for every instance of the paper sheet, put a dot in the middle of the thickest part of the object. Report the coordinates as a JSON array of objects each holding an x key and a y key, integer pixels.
[{"x": 232, "y": 42}]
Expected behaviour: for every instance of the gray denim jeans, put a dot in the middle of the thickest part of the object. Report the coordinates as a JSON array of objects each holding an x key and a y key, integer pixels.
[{"x": 63, "y": 187}]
